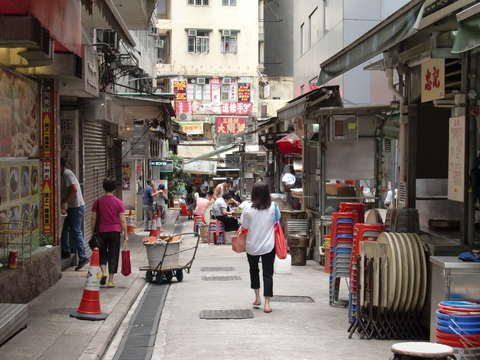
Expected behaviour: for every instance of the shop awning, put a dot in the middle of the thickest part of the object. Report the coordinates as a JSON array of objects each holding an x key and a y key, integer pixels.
[
  {"x": 191, "y": 151},
  {"x": 468, "y": 33},
  {"x": 397, "y": 27},
  {"x": 326, "y": 96},
  {"x": 145, "y": 107},
  {"x": 213, "y": 153}
]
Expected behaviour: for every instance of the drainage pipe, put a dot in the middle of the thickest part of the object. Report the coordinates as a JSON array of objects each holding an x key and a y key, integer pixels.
[{"x": 403, "y": 153}]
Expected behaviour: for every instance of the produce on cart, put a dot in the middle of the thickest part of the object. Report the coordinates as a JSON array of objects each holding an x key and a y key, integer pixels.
[{"x": 163, "y": 257}]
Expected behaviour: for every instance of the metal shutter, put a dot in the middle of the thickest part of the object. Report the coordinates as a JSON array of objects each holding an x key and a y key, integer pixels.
[{"x": 95, "y": 165}]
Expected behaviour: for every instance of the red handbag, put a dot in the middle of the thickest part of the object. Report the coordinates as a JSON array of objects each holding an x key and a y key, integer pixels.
[
  {"x": 280, "y": 241},
  {"x": 126, "y": 265},
  {"x": 239, "y": 240}
]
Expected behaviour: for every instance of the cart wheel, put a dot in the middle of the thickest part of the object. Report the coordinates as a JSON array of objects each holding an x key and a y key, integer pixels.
[
  {"x": 159, "y": 277},
  {"x": 149, "y": 276},
  {"x": 169, "y": 276},
  {"x": 179, "y": 275}
]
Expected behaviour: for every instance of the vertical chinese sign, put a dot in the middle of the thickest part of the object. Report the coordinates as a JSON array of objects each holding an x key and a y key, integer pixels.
[
  {"x": 48, "y": 157},
  {"x": 180, "y": 90},
  {"x": 433, "y": 80},
  {"x": 456, "y": 159},
  {"x": 230, "y": 125},
  {"x": 216, "y": 91},
  {"x": 244, "y": 92}
]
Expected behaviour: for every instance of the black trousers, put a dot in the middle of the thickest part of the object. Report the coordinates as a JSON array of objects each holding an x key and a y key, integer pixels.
[
  {"x": 231, "y": 224},
  {"x": 267, "y": 270},
  {"x": 110, "y": 251}
]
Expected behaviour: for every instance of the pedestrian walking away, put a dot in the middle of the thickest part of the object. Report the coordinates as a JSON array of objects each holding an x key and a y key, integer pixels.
[
  {"x": 161, "y": 199},
  {"x": 147, "y": 203},
  {"x": 72, "y": 197},
  {"x": 111, "y": 222},
  {"x": 190, "y": 202},
  {"x": 258, "y": 218}
]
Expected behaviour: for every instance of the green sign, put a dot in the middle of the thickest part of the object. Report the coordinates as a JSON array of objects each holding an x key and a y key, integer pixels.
[{"x": 165, "y": 165}]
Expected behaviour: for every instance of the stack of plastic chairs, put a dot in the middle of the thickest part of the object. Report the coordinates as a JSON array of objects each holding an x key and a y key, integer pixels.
[
  {"x": 402, "y": 221},
  {"x": 362, "y": 232},
  {"x": 458, "y": 326},
  {"x": 358, "y": 208},
  {"x": 341, "y": 244}
]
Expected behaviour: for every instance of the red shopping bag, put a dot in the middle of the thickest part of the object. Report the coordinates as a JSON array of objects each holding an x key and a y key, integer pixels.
[
  {"x": 280, "y": 241},
  {"x": 239, "y": 240},
  {"x": 126, "y": 265}
]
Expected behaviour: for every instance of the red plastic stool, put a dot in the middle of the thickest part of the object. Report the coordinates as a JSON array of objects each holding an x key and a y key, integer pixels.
[
  {"x": 197, "y": 220},
  {"x": 217, "y": 231},
  {"x": 184, "y": 210}
]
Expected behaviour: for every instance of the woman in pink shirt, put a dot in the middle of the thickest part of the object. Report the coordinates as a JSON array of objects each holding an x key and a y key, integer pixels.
[
  {"x": 202, "y": 203},
  {"x": 111, "y": 222}
]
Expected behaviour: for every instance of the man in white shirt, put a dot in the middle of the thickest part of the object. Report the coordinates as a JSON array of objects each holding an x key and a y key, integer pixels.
[
  {"x": 72, "y": 197},
  {"x": 220, "y": 212}
]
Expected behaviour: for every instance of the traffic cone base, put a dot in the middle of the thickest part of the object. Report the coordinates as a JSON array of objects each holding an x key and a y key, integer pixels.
[
  {"x": 130, "y": 226},
  {"x": 89, "y": 308}
]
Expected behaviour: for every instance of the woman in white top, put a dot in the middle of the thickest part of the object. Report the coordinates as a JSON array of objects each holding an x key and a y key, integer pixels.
[{"x": 258, "y": 218}]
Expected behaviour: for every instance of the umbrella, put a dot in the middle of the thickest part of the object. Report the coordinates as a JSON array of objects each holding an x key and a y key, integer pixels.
[{"x": 290, "y": 144}]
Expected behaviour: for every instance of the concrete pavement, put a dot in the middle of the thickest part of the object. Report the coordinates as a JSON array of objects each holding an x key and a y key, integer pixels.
[{"x": 293, "y": 330}]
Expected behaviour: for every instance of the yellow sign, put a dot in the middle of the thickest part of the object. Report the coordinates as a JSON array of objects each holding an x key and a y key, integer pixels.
[
  {"x": 433, "y": 80},
  {"x": 192, "y": 128}
]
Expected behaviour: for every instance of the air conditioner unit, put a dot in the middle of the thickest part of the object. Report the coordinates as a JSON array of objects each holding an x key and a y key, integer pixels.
[
  {"x": 153, "y": 31},
  {"x": 208, "y": 120},
  {"x": 226, "y": 81},
  {"x": 184, "y": 117},
  {"x": 192, "y": 32},
  {"x": 161, "y": 61},
  {"x": 159, "y": 43},
  {"x": 226, "y": 32},
  {"x": 201, "y": 81}
]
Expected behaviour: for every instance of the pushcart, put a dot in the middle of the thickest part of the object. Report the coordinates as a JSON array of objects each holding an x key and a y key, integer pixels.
[{"x": 163, "y": 258}]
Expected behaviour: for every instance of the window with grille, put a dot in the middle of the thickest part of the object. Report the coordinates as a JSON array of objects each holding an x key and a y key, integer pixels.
[
  {"x": 199, "y": 92},
  {"x": 229, "y": 44},
  {"x": 229, "y": 2},
  {"x": 198, "y": 2},
  {"x": 199, "y": 43}
]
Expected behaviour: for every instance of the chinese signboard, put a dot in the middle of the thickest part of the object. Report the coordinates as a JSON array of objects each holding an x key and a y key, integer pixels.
[
  {"x": 433, "y": 80},
  {"x": 192, "y": 128},
  {"x": 244, "y": 92},
  {"x": 183, "y": 107},
  {"x": 230, "y": 125},
  {"x": 456, "y": 159},
  {"x": 207, "y": 107},
  {"x": 216, "y": 91},
  {"x": 165, "y": 165},
  {"x": 180, "y": 90}
]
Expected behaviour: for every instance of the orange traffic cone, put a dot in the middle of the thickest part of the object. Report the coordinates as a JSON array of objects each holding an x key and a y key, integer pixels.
[
  {"x": 130, "y": 226},
  {"x": 89, "y": 308},
  {"x": 159, "y": 223},
  {"x": 153, "y": 226}
]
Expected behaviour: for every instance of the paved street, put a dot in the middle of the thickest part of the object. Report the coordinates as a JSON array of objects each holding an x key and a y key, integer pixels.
[{"x": 292, "y": 331}]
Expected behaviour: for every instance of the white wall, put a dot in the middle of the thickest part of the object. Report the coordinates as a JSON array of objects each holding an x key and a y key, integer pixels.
[
  {"x": 347, "y": 21},
  {"x": 243, "y": 17}
]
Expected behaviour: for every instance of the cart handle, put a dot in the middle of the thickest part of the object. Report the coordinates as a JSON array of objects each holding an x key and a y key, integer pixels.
[{"x": 187, "y": 233}]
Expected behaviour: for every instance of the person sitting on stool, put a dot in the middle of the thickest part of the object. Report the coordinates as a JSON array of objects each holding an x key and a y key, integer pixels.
[{"x": 220, "y": 212}]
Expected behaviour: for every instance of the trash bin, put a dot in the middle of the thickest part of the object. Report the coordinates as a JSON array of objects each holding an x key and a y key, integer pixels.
[{"x": 298, "y": 249}]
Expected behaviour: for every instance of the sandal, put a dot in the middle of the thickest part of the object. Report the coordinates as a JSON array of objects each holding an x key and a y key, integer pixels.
[
  {"x": 103, "y": 280},
  {"x": 111, "y": 285}
]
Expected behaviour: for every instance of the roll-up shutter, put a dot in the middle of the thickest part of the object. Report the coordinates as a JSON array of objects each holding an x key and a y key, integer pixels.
[{"x": 95, "y": 164}]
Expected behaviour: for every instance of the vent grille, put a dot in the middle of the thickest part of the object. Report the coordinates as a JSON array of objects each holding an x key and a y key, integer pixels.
[{"x": 387, "y": 145}]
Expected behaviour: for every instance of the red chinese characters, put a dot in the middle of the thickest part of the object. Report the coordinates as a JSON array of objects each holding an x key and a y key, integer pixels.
[
  {"x": 230, "y": 125},
  {"x": 432, "y": 79}
]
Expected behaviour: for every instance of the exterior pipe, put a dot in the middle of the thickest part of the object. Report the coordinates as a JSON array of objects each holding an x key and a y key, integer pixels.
[{"x": 403, "y": 127}]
